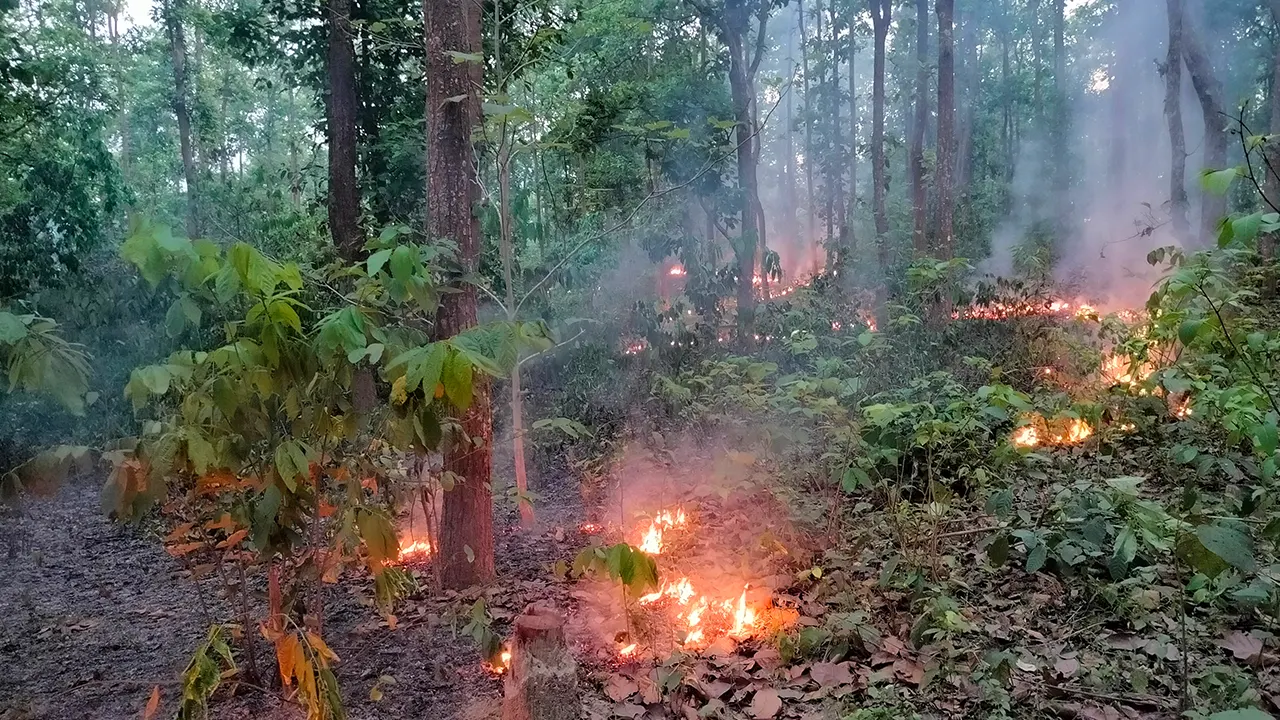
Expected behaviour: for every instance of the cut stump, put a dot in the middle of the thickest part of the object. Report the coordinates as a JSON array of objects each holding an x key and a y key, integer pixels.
[{"x": 542, "y": 680}]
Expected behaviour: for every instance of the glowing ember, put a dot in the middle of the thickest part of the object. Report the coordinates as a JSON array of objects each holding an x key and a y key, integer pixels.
[
  {"x": 676, "y": 271},
  {"x": 590, "y": 529},
  {"x": 635, "y": 347},
  {"x": 414, "y": 550},
  {"x": 681, "y": 591},
  {"x": 628, "y": 650},
  {"x": 1026, "y": 308},
  {"x": 1182, "y": 409},
  {"x": 1120, "y": 369},
  {"x": 1077, "y": 431}
]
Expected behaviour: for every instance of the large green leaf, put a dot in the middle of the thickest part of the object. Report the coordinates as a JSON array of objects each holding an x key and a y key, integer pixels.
[
  {"x": 457, "y": 377},
  {"x": 12, "y": 329},
  {"x": 1233, "y": 546}
]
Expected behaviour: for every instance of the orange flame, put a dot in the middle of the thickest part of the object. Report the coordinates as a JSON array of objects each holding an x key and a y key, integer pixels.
[
  {"x": 1075, "y": 431},
  {"x": 676, "y": 271},
  {"x": 414, "y": 550},
  {"x": 628, "y": 650},
  {"x": 743, "y": 618},
  {"x": 651, "y": 538}
]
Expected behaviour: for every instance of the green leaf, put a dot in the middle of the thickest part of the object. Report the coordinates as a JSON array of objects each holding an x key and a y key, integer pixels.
[
  {"x": 377, "y": 260},
  {"x": 291, "y": 462},
  {"x": 1126, "y": 550},
  {"x": 1231, "y": 545},
  {"x": 12, "y": 329},
  {"x": 1245, "y": 228},
  {"x": 1189, "y": 329},
  {"x": 457, "y": 377},
  {"x": 403, "y": 260},
  {"x": 1218, "y": 181},
  {"x": 200, "y": 451},
  {"x": 998, "y": 550},
  {"x": 1193, "y": 552},
  {"x": 1037, "y": 557},
  {"x": 1241, "y": 714},
  {"x": 426, "y": 371}
]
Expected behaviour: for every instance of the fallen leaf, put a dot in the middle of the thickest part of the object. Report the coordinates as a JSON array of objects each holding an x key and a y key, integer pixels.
[
  {"x": 628, "y": 710},
  {"x": 1242, "y": 646},
  {"x": 1066, "y": 667},
  {"x": 620, "y": 688},
  {"x": 765, "y": 704},
  {"x": 716, "y": 688},
  {"x": 153, "y": 704},
  {"x": 831, "y": 674},
  {"x": 909, "y": 671}
]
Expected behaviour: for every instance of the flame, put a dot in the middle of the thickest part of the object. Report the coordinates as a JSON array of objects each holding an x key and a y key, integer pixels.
[
  {"x": 1074, "y": 431},
  {"x": 1121, "y": 369},
  {"x": 651, "y": 538},
  {"x": 587, "y": 528},
  {"x": 1026, "y": 436},
  {"x": 677, "y": 271},
  {"x": 1025, "y": 308},
  {"x": 1182, "y": 409},
  {"x": 501, "y": 665},
  {"x": 744, "y": 618},
  {"x": 628, "y": 650},
  {"x": 414, "y": 550},
  {"x": 635, "y": 347}
]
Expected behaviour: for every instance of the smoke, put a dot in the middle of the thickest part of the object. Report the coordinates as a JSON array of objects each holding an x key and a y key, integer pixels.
[{"x": 1117, "y": 209}]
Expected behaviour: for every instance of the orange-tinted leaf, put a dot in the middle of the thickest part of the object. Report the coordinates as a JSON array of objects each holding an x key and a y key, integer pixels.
[
  {"x": 222, "y": 523},
  {"x": 327, "y": 510},
  {"x": 152, "y": 705},
  {"x": 216, "y": 481},
  {"x": 184, "y": 548},
  {"x": 318, "y": 644},
  {"x": 290, "y": 658},
  {"x": 234, "y": 539},
  {"x": 179, "y": 532},
  {"x": 370, "y": 484},
  {"x": 439, "y": 390}
]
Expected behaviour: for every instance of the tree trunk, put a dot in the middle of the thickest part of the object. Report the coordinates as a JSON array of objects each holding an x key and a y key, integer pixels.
[
  {"x": 848, "y": 240},
  {"x": 182, "y": 110},
  {"x": 1062, "y": 201},
  {"x": 507, "y": 249},
  {"x": 919, "y": 238},
  {"x": 1006, "y": 97},
  {"x": 1037, "y": 61},
  {"x": 344, "y": 194},
  {"x": 453, "y": 111},
  {"x": 946, "y": 127},
  {"x": 542, "y": 682},
  {"x": 789, "y": 153},
  {"x": 811, "y": 212},
  {"x": 1209, "y": 90},
  {"x": 828, "y": 199},
  {"x": 1267, "y": 244},
  {"x": 881, "y": 11},
  {"x": 837, "y": 129},
  {"x": 1173, "y": 113}
]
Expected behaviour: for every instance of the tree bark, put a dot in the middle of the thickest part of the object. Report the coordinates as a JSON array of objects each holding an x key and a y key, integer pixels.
[
  {"x": 881, "y": 15},
  {"x": 1209, "y": 91},
  {"x": 1267, "y": 244},
  {"x": 848, "y": 239},
  {"x": 789, "y": 152},
  {"x": 919, "y": 237},
  {"x": 945, "y": 243},
  {"x": 182, "y": 110},
  {"x": 1173, "y": 114},
  {"x": 837, "y": 129},
  {"x": 344, "y": 194},
  {"x": 453, "y": 111},
  {"x": 971, "y": 76}
]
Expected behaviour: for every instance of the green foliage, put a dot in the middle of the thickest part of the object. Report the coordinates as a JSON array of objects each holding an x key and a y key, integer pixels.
[
  {"x": 204, "y": 674},
  {"x": 621, "y": 563}
]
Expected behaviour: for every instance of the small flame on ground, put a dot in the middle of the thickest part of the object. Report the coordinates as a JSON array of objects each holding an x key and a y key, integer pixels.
[
  {"x": 414, "y": 550},
  {"x": 676, "y": 271},
  {"x": 651, "y": 538},
  {"x": 635, "y": 347},
  {"x": 1074, "y": 432},
  {"x": 628, "y": 650},
  {"x": 501, "y": 665},
  {"x": 743, "y": 618},
  {"x": 1182, "y": 410},
  {"x": 587, "y": 528}
]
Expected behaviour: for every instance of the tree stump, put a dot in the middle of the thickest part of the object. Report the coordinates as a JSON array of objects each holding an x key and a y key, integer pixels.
[{"x": 542, "y": 680}]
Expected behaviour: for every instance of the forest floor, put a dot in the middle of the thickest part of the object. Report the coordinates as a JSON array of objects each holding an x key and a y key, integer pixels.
[{"x": 95, "y": 615}]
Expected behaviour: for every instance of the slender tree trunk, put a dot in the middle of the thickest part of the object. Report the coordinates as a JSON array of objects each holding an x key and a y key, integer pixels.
[
  {"x": 1209, "y": 90},
  {"x": 848, "y": 240},
  {"x": 968, "y": 100},
  {"x": 1267, "y": 245},
  {"x": 946, "y": 126},
  {"x": 828, "y": 199},
  {"x": 1173, "y": 113},
  {"x": 749, "y": 239},
  {"x": 344, "y": 194},
  {"x": 1006, "y": 97},
  {"x": 507, "y": 248},
  {"x": 809, "y": 158},
  {"x": 881, "y": 11},
  {"x": 1037, "y": 61},
  {"x": 919, "y": 200},
  {"x": 837, "y": 130},
  {"x": 182, "y": 110},
  {"x": 789, "y": 152},
  {"x": 453, "y": 112},
  {"x": 1060, "y": 119}
]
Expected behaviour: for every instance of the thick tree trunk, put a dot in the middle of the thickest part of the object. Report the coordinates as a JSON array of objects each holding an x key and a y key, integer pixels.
[
  {"x": 945, "y": 243},
  {"x": 1209, "y": 90},
  {"x": 881, "y": 15},
  {"x": 919, "y": 200},
  {"x": 1062, "y": 202},
  {"x": 453, "y": 111},
  {"x": 1037, "y": 62},
  {"x": 344, "y": 194},
  {"x": 182, "y": 110},
  {"x": 1173, "y": 114},
  {"x": 972, "y": 76}
]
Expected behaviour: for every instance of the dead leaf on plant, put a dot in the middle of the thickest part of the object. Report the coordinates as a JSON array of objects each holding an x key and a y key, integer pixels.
[{"x": 1242, "y": 646}]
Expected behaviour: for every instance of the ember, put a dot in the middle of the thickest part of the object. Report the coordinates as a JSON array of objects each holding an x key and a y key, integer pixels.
[
  {"x": 676, "y": 271},
  {"x": 1073, "y": 432}
]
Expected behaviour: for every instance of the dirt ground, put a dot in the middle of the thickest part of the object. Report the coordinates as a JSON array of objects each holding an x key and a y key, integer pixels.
[{"x": 93, "y": 615}]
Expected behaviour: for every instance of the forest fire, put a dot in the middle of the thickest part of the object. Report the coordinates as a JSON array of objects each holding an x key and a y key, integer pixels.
[
  {"x": 1072, "y": 431},
  {"x": 677, "y": 271},
  {"x": 1017, "y": 309},
  {"x": 414, "y": 551},
  {"x": 651, "y": 540},
  {"x": 501, "y": 664}
]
